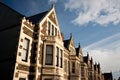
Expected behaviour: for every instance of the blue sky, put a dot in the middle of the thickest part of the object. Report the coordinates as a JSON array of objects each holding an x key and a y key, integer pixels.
[{"x": 95, "y": 25}]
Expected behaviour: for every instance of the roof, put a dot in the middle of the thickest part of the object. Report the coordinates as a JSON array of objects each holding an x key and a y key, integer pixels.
[
  {"x": 108, "y": 76},
  {"x": 8, "y": 17},
  {"x": 77, "y": 51},
  {"x": 85, "y": 59},
  {"x": 36, "y": 18},
  {"x": 66, "y": 43}
]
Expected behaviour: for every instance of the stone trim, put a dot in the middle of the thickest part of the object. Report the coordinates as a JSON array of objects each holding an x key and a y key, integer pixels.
[
  {"x": 28, "y": 25},
  {"x": 23, "y": 67},
  {"x": 27, "y": 32}
]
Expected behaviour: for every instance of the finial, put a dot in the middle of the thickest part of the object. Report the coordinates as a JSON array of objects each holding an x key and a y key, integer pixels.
[
  {"x": 79, "y": 45},
  {"x": 70, "y": 34}
]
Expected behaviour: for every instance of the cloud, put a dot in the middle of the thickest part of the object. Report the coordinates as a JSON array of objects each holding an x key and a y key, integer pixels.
[
  {"x": 52, "y": 1},
  {"x": 100, "y": 12},
  {"x": 107, "y": 52}
]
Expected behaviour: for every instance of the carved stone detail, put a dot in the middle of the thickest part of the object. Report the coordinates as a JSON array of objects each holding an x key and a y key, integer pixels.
[
  {"x": 23, "y": 67},
  {"x": 52, "y": 18},
  {"x": 29, "y": 25},
  {"x": 27, "y": 31},
  {"x": 44, "y": 30}
]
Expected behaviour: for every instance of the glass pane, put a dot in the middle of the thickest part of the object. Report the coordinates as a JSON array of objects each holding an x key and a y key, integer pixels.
[
  {"x": 24, "y": 54},
  {"x": 49, "y": 55},
  {"x": 57, "y": 53},
  {"x": 52, "y": 30},
  {"x": 49, "y": 26},
  {"x": 25, "y": 43}
]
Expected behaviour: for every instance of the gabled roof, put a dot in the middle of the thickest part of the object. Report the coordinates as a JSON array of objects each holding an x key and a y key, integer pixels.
[
  {"x": 108, "y": 76},
  {"x": 86, "y": 58},
  {"x": 36, "y": 18},
  {"x": 8, "y": 17},
  {"x": 66, "y": 43},
  {"x": 78, "y": 50}
]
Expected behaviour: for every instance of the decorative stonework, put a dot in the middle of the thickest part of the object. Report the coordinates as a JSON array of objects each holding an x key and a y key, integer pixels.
[
  {"x": 65, "y": 55},
  {"x": 28, "y": 25},
  {"x": 52, "y": 18},
  {"x": 19, "y": 53},
  {"x": 20, "y": 47},
  {"x": 27, "y": 32},
  {"x": 21, "y": 40},
  {"x": 16, "y": 74},
  {"x": 23, "y": 67},
  {"x": 44, "y": 28}
]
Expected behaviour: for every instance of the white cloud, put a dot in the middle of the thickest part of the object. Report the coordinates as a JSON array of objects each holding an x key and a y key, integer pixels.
[
  {"x": 101, "y": 12},
  {"x": 52, "y": 1},
  {"x": 107, "y": 52}
]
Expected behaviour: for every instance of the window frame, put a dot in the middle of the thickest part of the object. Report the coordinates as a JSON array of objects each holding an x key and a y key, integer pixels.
[
  {"x": 73, "y": 67},
  {"x": 49, "y": 55},
  {"x": 49, "y": 28},
  {"x": 25, "y": 49},
  {"x": 61, "y": 58},
  {"x": 57, "y": 56}
]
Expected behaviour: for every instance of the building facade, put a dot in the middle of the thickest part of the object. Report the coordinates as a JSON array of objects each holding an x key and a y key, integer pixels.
[{"x": 33, "y": 48}]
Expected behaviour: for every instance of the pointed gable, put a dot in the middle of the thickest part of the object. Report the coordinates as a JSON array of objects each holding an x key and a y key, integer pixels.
[
  {"x": 52, "y": 16},
  {"x": 69, "y": 44}
]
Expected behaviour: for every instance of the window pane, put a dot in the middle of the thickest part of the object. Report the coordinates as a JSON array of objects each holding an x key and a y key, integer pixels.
[
  {"x": 56, "y": 31},
  {"x": 61, "y": 58},
  {"x": 49, "y": 55},
  {"x": 73, "y": 67},
  {"x": 57, "y": 54},
  {"x": 24, "y": 54},
  {"x": 49, "y": 26},
  {"x": 52, "y": 30},
  {"x": 25, "y": 43}
]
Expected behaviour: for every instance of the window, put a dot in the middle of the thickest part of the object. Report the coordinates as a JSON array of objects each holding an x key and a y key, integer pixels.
[
  {"x": 25, "y": 49},
  {"x": 82, "y": 71},
  {"x": 55, "y": 31},
  {"x": 73, "y": 67},
  {"x": 52, "y": 30},
  {"x": 61, "y": 58},
  {"x": 49, "y": 55},
  {"x": 49, "y": 26},
  {"x": 65, "y": 65},
  {"x": 22, "y": 79},
  {"x": 57, "y": 56}
]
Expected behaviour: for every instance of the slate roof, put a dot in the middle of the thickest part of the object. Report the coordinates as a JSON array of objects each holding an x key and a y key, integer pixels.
[
  {"x": 77, "y": 51},
  {"x": 66, "y": 43},
  {"x": 36, "y": 18},
  {"x": 8, "y": 17},
  {"x": 85, "y": 58},
  {"x": 108, "y": 76}
]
